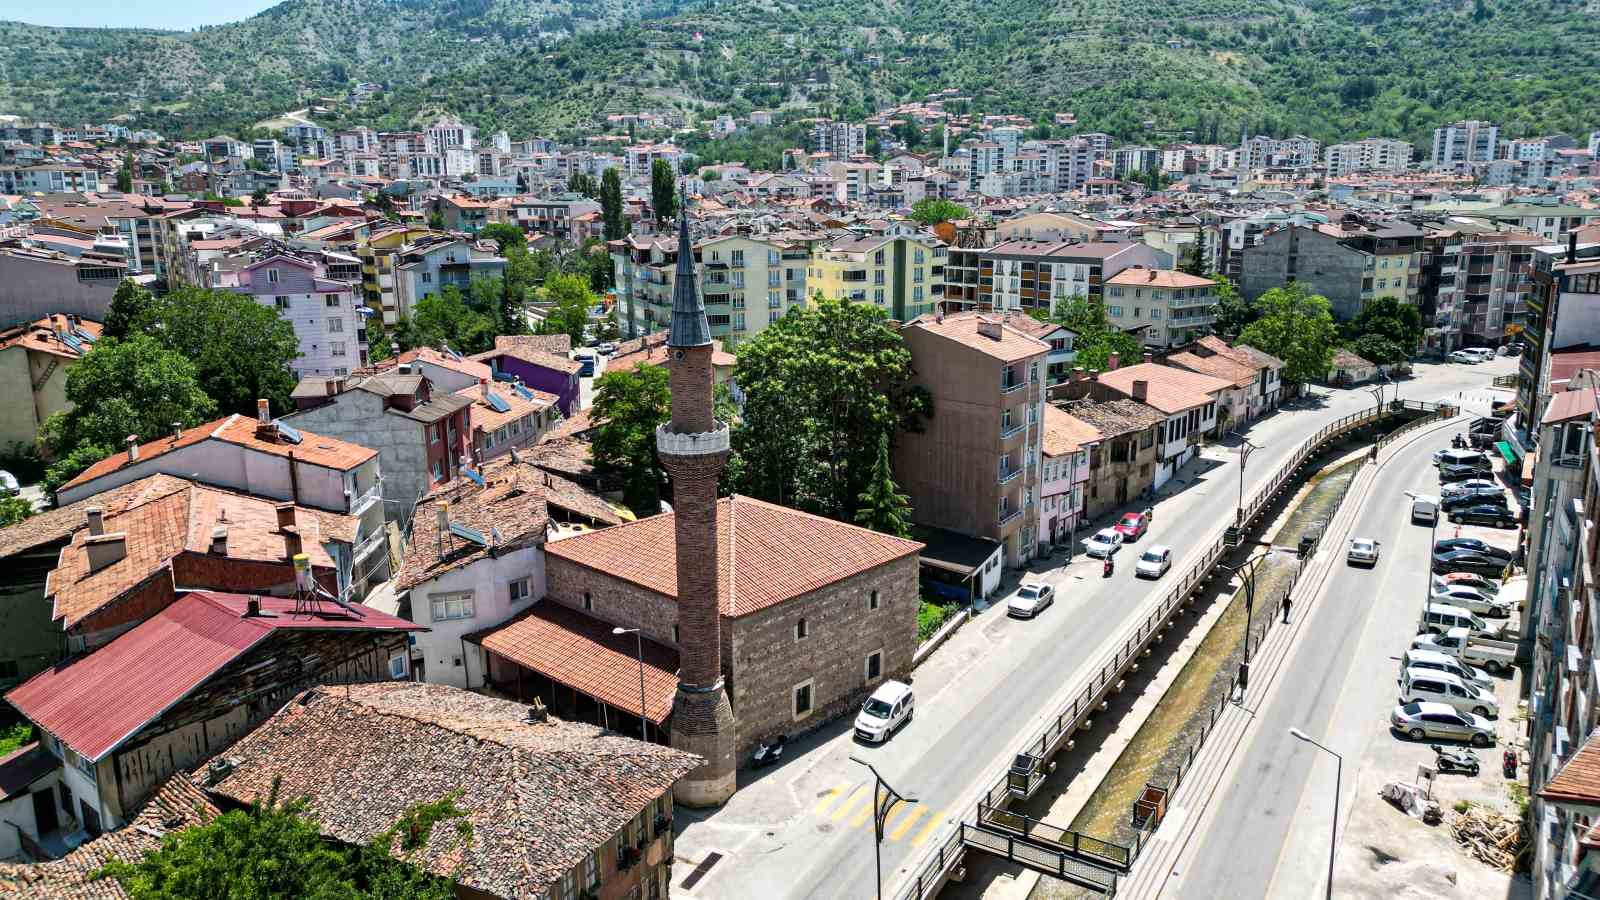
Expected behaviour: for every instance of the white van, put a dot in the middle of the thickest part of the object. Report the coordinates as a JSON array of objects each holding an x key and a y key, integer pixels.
[
  {"x": 1425, "y": 510},
  {"x": 889, "y": 707},
  {"x": 1423, "y": 685},
  {"x": 1441, "y": 617},
  {"x": 1484, "y": 354},
  {"x": 1452, "y": 457},
  {"x": 1433, "y": 659}
]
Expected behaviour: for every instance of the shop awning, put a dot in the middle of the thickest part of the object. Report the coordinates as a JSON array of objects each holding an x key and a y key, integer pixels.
[{"x": 1508, "y": 452}]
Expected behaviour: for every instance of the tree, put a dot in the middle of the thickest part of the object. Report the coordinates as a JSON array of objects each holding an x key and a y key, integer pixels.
[
  {"x": 436, "y": 220},
  {"x": 1232, "y": 311},
  {"x": 1195, "y": 259},
  {"x": 629, "y": 404},
  {"x": 1377, "y": 349},
  {"x": 1296, "y": 327},
  {"x": 1096, "y": 338},
  {"x": 882, "y": 507},
  {"x": 569, "y": 301},
  {"x": 125, "y": 175},
  {"x": 614, "y": 223},
  {"x": 822, "y": 385},
  {"x": 241, "y": 350},
  {"x": 14, "y": 510},
  {"x": 930, "y": 211},
  {"x": 121, "y": 387},
  {"x": 447, "y": 318},
  {"x": 663, "y": 191},
  {"x": 519, "y": 277},
  {"x": 1388, "y": 318},
  {"x": 130, "y": 309},
  {"x": 583, "y": 183},
  {"x": 504, "y": 234}
]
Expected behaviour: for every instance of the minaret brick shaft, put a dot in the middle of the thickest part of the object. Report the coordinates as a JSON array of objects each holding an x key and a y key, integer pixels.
[{"x": 694, "y": 448}]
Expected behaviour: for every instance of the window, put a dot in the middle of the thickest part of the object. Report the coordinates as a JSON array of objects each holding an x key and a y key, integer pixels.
[
  {"x": 1115, "y": 291},
  {"x": 1155, "y": 313},
  {"x": 802, "y": 628},
  {"x": 916, "y": 292},
  {"x": 802, "y": 699},
  {"x": 591, "y": 870},
  {"x": 427, "y": 277},
  {"x": 588, "y": 601},
  {"x": 674, "y": 633},
  {"x": 397, "y": 667},
  {"x": 272, "y": 276},
  {"x": 434, "y": 432},
  {"x": 738, "y": 257},
  {"x": 281, "y": 302},
  {"x": 500, "y": 434},
  {"x": 336, "y": 325},
  {"x": 774, "y": 301},
  {"x": 872, "y": 600},
  {"x": 1114, "y": 312},
  {"x": 332, "y": 300},
  {"x": 877, "y": 296},
  {"x": 438, "y": 471},
  {"x": 338, "y": 348},
  {"x": 456, "y": 605},
  {"x": 873, "y": 669}
]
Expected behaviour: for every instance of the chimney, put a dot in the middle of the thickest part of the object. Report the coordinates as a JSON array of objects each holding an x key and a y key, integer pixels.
[
  {"x": 403, "y": 368},
  {"x": 1572, "y": 246},
  {"x": 263, "y": 412},
  {"x": 105, "y": 549},
  {"x": 1149, "y": 357},
  {"x": 1094, "y": 374},
  {"x": 219, "y": 540},
  {"x": 332, "y": 386},
  {"x": 1078, "y": 374},
  {"x": 989, "y": 328},
  {"x": 97, "y": 521},
  {"x": 285, "y": 513},
  {"x": 1113, "y": 360},
  {"x": 483, "y": 388},
  {"x": 442, "y": 512},
  {"x": 252, "y": 608},
  {"x": 177, "y": 429},
  {"x": 1141, "y": 389},
  {"x": 291, "y": 543},
  {"x": 132, "y": 441}
]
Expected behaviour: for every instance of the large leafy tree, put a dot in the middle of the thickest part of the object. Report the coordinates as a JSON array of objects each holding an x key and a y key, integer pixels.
[
  {"x": 1296, "y": 327},
  {"x": 131, "y": 306},
  {"x": 1375, "y": 348},
  {"x": 241, "y": 350},
  {"x": 611, "y": 216},
  {"x": 822, "y": 386},
  {"x": 628, "y": 405},
  {"x": 663, "y": 190},
  {"x": 504, "y": 234},
  {"x": 1096, "y": 338},
  {"x": 1232, "y": 311},
  {"x": 570, "y": 300},
  {"x": 120, "y": 388},
  {"x": 932, "y": 211},
  {"x": 1388, "y": 318},
  {"x": 882, "y": 507},
  {"x": 449, "y": 318}
]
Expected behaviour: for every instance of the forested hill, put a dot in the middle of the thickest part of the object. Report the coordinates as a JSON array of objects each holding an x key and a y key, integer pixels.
[{"x": 1333, "y": 69}]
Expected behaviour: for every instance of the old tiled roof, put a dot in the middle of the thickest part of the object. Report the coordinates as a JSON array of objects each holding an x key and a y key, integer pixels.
[
  {"x": 574, "y": 425},
  {"x": 534, "y": 355},
  {"x": 59, "y": 523},
  {"x": 1170, "y": 390},
  {"x": 1218, "y": 366},
  {"x": 1139, "y": 276},
  {"x": 162, "y": 525},
  {"x": 1244, "y": 353},
  {"x": 1344, "y": 359},
  {"x": 42, "y": 336},
  {"x": 1011, "y": 346},
  {"x": 572, "y": 457},
  {"x": 539, "y": 796},
  {"x": 1114, "y": 418},
  {"x": 96, "y": 701},
  {"x": 581, "y": 652},
  {"x": 438, "y": 358},
  {"x": 313, "y": 449},
  {"x": 1579, "y": 780},
  {"x": 485, "y": 417},
  {"x": 776, "y": 553},
  {"x": 559, "y": 344},
  {"x": 1063, "y": 433},
  {"x": 176, "y": 805}
]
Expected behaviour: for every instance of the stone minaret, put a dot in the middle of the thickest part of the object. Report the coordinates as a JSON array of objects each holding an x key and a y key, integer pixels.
[{"x": 694, "y": 448}]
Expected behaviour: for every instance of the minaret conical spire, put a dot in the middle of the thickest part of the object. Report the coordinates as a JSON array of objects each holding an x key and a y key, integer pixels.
[{"x": 689, "y": 326}]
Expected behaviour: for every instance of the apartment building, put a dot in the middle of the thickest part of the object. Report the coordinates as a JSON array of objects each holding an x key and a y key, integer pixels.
[
  {"x": 377, "y": 252},
  {"x": 556, "y": 216},
  {"x": 327, "y": 317},
  {"x": 900, "y": 274},
  {"x": 841, "y": 140},
  {"x": 1065, "y": 445},
  {"x": 1350, "y": 266},
  {"x": 1483, "y": 286},
  {"x": 48, "y": 178},
  {"x": 1167, "y": 307},
  {"x": 1368, "y": 155},
  {"x": 1562, "y": 305},
  {"x": 975, "y": 467},
  {"x": 1024, "y": 274},
  {"x": 38, "y": 283},
  {"x": 748, "y": 283},
  {"x": 426, "y": 265},
  {"x": 1459, "y": 144},
  {"x": 1261, "y": 152}
]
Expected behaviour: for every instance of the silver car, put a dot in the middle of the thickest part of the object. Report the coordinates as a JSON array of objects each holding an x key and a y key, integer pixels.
[
  {"x": 1030, "y": 601},
  {"x": 1428, "y": 719},
  {"x": 1364, "y": 551}
]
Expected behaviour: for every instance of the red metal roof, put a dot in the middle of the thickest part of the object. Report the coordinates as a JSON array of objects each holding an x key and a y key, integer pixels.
[{"x": 93, "y": 703}]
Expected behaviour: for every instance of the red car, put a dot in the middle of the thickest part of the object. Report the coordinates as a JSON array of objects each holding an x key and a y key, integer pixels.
[{"x": 1133, "y": 526}]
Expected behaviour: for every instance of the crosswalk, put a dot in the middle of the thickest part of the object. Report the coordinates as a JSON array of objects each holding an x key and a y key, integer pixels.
[{"x": 850, "y": 806}]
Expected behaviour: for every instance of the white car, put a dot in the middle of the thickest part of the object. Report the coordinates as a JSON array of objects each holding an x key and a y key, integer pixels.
[
  {"x": 1420, "y": 685},
  {"x": 889, "y": 707},
  {"x": 1471, "y": 484},
  {"x": 1472, "y": 599},
  {"x": 1425, "y": 720},
  {"x": 1030, "y": 600},
  {"x": 1462, "y": 356},
  {"x": 1153, "y": 562},
  {"x": 1482, "y": 585},
  {"x": 1105, "y": 542},
  {"x": 1363, "y": 552},
  {"x": 1444, "y": 662}
]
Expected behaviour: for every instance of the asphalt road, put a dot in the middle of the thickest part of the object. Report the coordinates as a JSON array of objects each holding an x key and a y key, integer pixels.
[
  {"x": 803, "y": 829},
  {"x": 1341, "y": 669}
]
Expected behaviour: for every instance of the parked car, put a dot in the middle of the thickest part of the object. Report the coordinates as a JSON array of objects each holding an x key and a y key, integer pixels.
[
  {"x": 1444, "y": 662},
  {"x": 1363, "y": 552},
  {"x": 1482, "y": 354},
  {"x": 1471, "y": 561},
  {"x": 1472, "y": 600},
  {"x": 1448, "y": 474},
  {"x": 1474, "y": 545},
  {"x": 1439, "y": 617},
  {"x": 1484, "y": 514},
  {"x": 1419, "y": 685},
  {"x": 606, "y": 348},
  {"x": 1471, "y": 484},
  {"x": 1105, "y": 542},
  {"x": 1153, "y": 562},
  {"x": 1475, "y": 497},
  {"x": 1466, "y": 579},
  {"x": 585, "y": 364},
  {"x": 1495, "y": 655},
  {"x": 1451, "y": 457},
  {"x": 1424, "y": 510},
  {"x": 1462, "y": 356},
  {"x": 1437, "y": 720},
  {"x": 8, "y": 484},
  {"x": 1132, "y": 526},
  {"x": 1030, "y": 600},
  {"x": 889, "y": 707}
]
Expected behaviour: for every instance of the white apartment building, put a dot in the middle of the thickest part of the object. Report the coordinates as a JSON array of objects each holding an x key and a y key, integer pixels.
[
  {"x": 1466, "y": 142},
  {"x": 1260, "y": 152},
  {"x": 325, "y": 313},
  {"x": 842, "y": 140},
  {"x": 1369, "y": 155}
]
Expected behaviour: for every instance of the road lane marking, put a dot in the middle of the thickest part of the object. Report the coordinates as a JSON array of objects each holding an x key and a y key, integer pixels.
[
  {"x": 922, "y": 834},
  {"x": 844, "y": 808},
  {"x": 911, "y": 816},
  {"x": 831, "y": 795},
  {"x": 865, "y": 812}
]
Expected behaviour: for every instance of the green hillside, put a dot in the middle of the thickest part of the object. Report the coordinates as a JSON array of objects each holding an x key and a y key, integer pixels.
[{"x": 1328, "y": 68}]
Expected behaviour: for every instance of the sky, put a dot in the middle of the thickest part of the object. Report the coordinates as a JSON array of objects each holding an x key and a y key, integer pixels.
[{"x": 171, "y": 14}]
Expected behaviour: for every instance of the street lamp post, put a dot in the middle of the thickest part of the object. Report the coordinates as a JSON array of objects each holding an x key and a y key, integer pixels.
[
  {"x": 880, "y": 815},
  {"x": 1427, "y": 571},
  {"x": 1245, "y": 449},
  {"x": 1249, "y": 579},
  {"x": 1338, "y": 778},
  {"x": 638, "y": 641}
]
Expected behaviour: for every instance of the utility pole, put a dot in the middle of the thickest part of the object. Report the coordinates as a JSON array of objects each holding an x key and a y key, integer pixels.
[
  {"x": 1245, "y": 449},
  {"x": 880, "y": 814}
]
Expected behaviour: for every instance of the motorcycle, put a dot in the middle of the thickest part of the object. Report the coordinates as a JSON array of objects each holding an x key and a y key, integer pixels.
[
  {"x": 1458, "y": 442},
  {"x": 769, "y": 752},
  {"x": 1508, "y": 763},
  {"x": 1107, "y": 569},
  {"x": 1452, "y": 761}
]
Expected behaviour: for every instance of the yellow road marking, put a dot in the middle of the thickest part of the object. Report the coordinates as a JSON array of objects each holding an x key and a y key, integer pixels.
[
  {"x": 864, "y": 813},
  {"x": 844, "y": 808},
  {"x": 922, "y": 834},
  {"x": 912, "y": 814},
  {"x": 827, "y": 800}
]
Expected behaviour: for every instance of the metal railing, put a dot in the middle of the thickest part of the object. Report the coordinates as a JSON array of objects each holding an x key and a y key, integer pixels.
[{"x": 928, "y": 873}]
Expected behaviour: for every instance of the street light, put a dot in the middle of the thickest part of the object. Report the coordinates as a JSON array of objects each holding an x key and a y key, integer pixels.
[
  {"x": 1245, "y": 449},
  {"x": 1427, "y": 573},
  {"x": 638, "y": 640},
  {"x": 880, "y": 815},
  {"x": 1338, "y": 777},
  {"x": 1249, "y": 580}
]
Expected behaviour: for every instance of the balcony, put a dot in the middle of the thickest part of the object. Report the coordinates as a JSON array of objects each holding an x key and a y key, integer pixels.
[
  {"x": 1008, "y": 518},
  {"x": 1009, "y": 475},
  {"x": 368, "y": 545},
  {"x": 1012, "y": 430},
  {"x": 1009, "y": 385}
]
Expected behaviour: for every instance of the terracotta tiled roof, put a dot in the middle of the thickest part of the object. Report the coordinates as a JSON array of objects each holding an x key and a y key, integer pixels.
[
  {"x": 1579, "y": 780},
  {"x": 559, "y": 344},
  {"x": 314, "y": 449},
  {"x": 778, "y": 553},
  {"x": 59, "y": 523},
  {"x": 539, "y": 796},
  {"x": 533, "y": 355},
  {"x": 652, "y": 349},
  {"x": 1170, "y": 390},
  {"x": 1216, "y": 366},
  {"x": 1011, "y": 346},
  {"x": 484, "y": 417},
  {"x": 1139, "y": 276},
  {"x": 1063, "y": 433},
  {"x": 1114, "y": 418},
  {"x": 464, "y": 365},
  {"x": 581, "y": 652},
  {"x": 161, "y": 526},
  {"x": 42, "y": 336},
  {"x": 571, "y": 457},
  {"x": 96, "y": 701},
  {"x": 176, "y": 805},
  {"x": 1344, "y": 359}
]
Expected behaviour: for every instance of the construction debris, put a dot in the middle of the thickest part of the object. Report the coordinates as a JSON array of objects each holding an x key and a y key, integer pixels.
[{"x": 1496, "y": 840}]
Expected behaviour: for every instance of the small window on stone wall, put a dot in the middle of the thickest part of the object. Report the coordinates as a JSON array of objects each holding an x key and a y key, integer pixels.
[
  {"x": 802, "y": 629},
  {"x": 802, "y": 699},
  {"x": 588, "y": 601},
  {"x": 674, "y": 634},
  {"x": 874, "y": 666},
  {"x": 872, "y": 600}
]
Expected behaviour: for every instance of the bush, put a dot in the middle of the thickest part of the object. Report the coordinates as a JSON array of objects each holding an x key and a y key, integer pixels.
[{"x": 931, "y": 617}]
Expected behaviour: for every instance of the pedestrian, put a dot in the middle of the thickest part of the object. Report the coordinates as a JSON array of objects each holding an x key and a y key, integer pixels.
[{"x": 1286, "y": 604}]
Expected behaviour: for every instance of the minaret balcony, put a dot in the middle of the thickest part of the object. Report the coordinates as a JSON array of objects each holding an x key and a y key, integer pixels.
[{"x": 672, "y": 443}]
